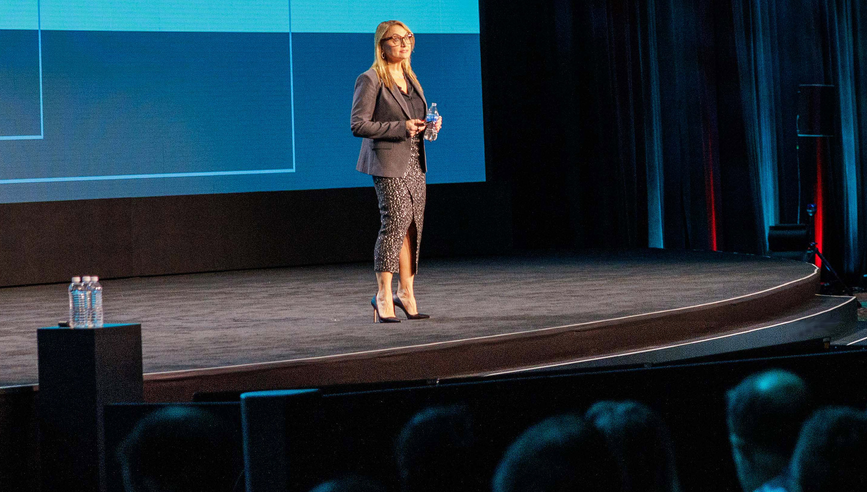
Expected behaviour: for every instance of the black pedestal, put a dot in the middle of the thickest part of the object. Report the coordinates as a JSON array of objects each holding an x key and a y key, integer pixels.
[{"x": 80, "y": 370}]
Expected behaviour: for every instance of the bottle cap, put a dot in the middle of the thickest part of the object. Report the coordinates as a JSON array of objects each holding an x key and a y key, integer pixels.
[
  {"x": 94, "y": 278},
  {"x": 86, "y": 278},
  {"x": 76, "y": 280}
]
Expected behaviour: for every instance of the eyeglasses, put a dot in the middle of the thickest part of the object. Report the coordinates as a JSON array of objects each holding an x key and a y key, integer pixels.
[{"x": 396, "y": 40}]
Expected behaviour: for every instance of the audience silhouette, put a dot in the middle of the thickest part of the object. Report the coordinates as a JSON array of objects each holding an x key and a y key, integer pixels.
[
  {"x": 765, "y": 414},
  {"x": 640, "y": 442},
  {"x": 560, "y": 454},
  {"x": 831, "y": 454},
  {"x": 617, "y": 446},
  {"x": 349, "y": 484},
  {"x": 180, "y": 449},
  {"x": 435, "y": 452}
]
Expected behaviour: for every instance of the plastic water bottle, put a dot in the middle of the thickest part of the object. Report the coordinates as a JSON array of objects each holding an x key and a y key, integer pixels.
[
  {"x": 88, "y": 286},
  {"x": 433, "y": 115},
  {"x": 95, "y": 302},
  {"x": 77, "y": 304}
]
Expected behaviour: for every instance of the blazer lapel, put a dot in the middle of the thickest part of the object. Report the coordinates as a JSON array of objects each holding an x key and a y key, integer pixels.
[
  {"x": 420, "y": 93},
  {"x": 395, "y": 92}
]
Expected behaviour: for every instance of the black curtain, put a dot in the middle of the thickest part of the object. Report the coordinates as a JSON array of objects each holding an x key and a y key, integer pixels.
[
  {"x": 860, "y": 69},
  {"x": 672, "y": 123}
]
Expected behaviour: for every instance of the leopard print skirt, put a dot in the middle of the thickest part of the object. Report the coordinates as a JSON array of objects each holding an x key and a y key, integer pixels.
[{"x": 401, "y": 205}]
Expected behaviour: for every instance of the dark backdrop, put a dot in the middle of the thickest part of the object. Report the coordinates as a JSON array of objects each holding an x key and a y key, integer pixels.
[
  {"x": 672, "y": 123},
  {"x": 609, "y": 124}
]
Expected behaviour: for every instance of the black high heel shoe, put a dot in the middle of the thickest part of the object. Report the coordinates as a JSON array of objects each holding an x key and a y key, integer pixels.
[
  {"x": 398, "y": 303},
  {"x": 379, "y": 319}
]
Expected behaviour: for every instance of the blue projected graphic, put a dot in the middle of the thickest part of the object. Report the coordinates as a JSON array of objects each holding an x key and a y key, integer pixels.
[
  {"x": 107, "y": 98},
  {"x": 21, "y": 109}
]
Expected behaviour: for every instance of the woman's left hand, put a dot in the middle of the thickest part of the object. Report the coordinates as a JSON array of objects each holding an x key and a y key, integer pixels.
[{"x": 438, "y": 124}]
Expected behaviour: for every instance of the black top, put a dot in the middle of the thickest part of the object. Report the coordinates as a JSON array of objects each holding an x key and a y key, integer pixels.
[{"x": 414, "y": 102}]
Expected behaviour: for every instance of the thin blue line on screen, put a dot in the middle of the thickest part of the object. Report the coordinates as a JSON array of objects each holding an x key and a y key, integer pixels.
[
  {"x": 21, "y": 137},
  {"x": 117, "y": 177},
  {"x": 41, "y": 111},
  {"x": 291, "y": 86},
  {"x": 39, "y": 33}
]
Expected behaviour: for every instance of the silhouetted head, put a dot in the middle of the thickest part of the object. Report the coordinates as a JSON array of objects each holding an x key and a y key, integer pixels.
[
  {"x": 640, "y": 442},
  {"x": 765, "y": 414},
  {"x": 180, "y": 449},
  {"x": 559, "y": 454},
  {"x": 349, "y": 484},
  {"x": 435, "y": 451},
  {"x": 832, "y": 452}
]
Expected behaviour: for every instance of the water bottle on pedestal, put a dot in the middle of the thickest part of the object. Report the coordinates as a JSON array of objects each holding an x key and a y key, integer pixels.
[
  {"x": 77, "y": 304},
  {"x": 87, "y": 281},
  {"x": 95, "y": 302}
]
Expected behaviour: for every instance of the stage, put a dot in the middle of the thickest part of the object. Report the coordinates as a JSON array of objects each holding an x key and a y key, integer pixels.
[{"x": 305, "y": 326}]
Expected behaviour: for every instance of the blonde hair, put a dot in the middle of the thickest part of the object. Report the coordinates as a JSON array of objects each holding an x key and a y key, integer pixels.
[{"x": 379, "y": 63}]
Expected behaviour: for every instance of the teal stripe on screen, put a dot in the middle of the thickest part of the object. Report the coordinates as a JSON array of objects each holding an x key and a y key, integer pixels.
[
  {"x": 148, "y": 15},
  {"x": 19, "y": 14},
  {"x": 314, "y": 16},
  {"x": 421, "y": 16}
]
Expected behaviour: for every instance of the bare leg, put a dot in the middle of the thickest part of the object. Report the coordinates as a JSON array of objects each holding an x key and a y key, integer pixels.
[
  {"x": 407, "y": 276},
  {"x": 383, "y": 295}
]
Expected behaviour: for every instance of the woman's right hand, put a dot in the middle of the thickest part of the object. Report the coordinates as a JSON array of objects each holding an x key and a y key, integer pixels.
[{"x": 414, "y": 127}]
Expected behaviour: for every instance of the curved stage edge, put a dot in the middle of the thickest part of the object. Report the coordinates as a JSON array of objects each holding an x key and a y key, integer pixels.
[
  {"x": 786, "y": 313},
  {"x": 613, "y": 309}
]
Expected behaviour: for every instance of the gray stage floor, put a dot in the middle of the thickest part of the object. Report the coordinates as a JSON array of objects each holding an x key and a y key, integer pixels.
[{"x": 228, "y": 318}]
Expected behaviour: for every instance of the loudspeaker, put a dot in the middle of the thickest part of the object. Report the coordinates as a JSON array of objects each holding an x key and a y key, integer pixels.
[
  {"x": 816, "y": 103},
  {"x": 788, "y": 240}
]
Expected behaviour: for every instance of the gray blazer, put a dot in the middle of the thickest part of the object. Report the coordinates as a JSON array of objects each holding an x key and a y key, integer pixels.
[{"x": 379, "y": 116}]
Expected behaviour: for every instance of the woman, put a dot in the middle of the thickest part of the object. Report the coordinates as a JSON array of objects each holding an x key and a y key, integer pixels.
[{"x": 388, "y": 110}]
